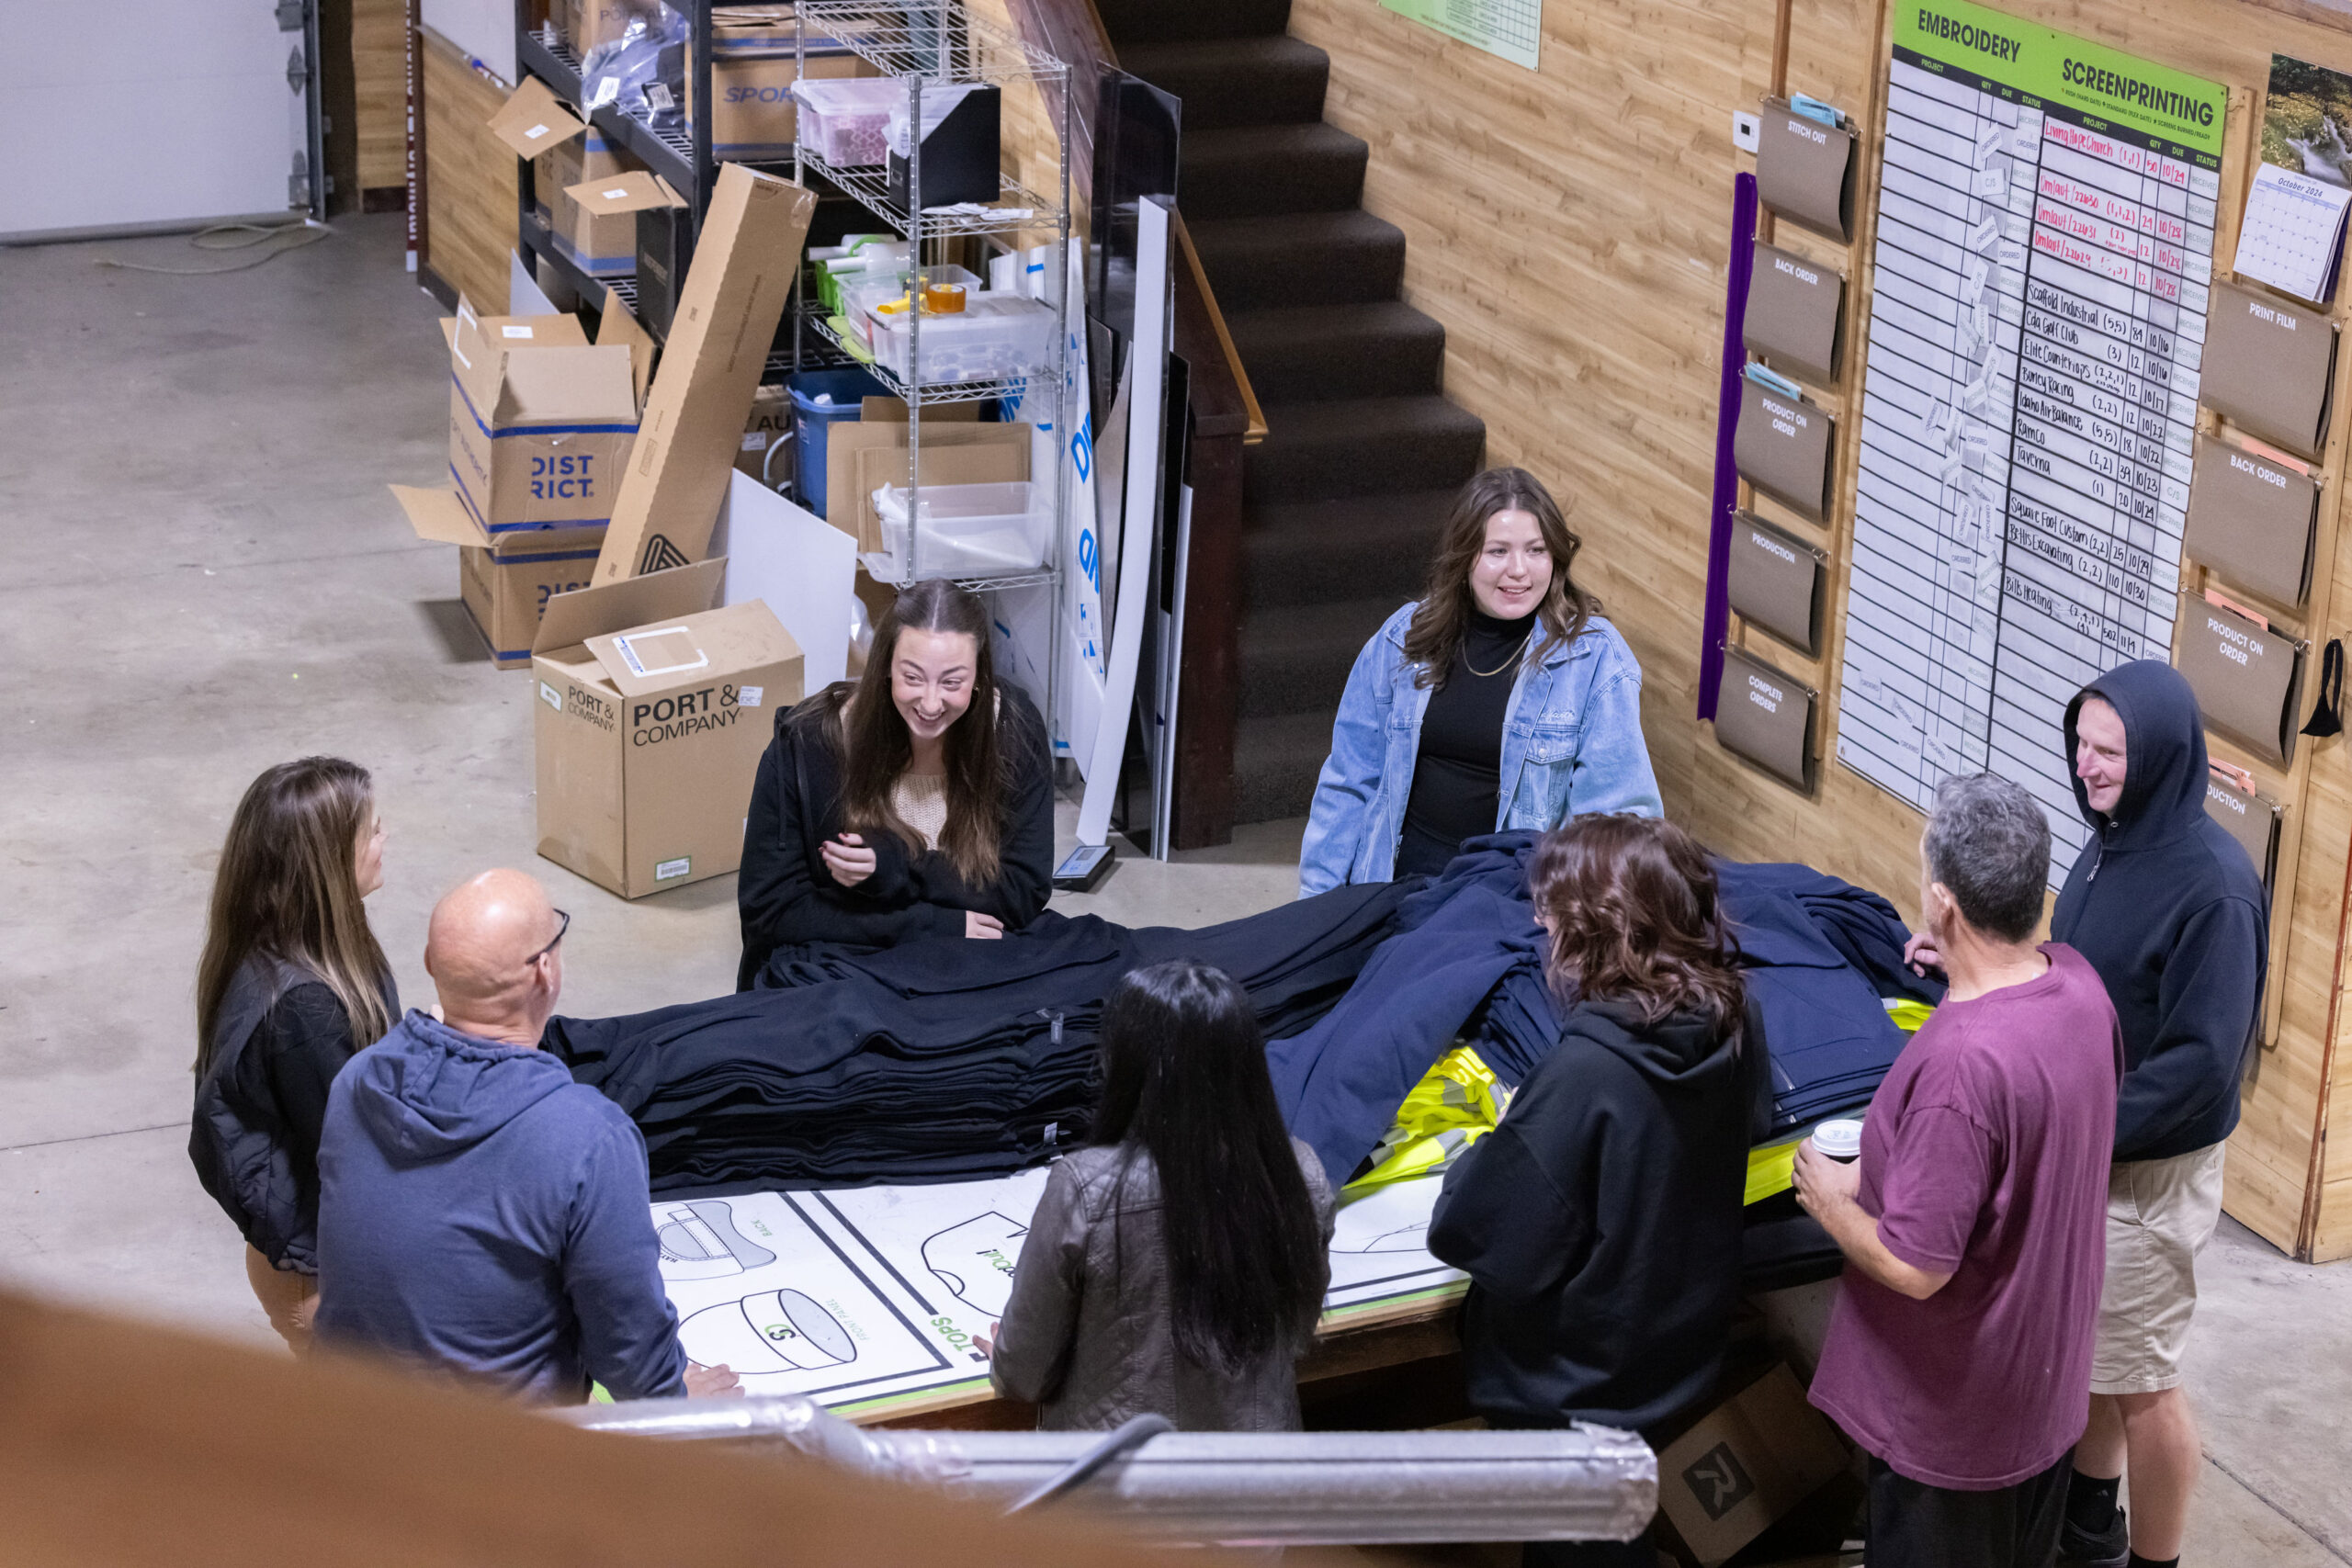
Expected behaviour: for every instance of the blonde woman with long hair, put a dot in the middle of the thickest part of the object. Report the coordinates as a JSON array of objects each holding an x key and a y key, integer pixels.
[{"x": 291, "y": 986}]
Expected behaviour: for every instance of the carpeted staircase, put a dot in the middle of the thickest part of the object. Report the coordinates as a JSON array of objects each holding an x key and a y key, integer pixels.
[{"x": 1362, "y": 454}]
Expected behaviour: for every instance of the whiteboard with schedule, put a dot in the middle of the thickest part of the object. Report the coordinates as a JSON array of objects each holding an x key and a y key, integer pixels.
[{"x": 2045, "y": 246}]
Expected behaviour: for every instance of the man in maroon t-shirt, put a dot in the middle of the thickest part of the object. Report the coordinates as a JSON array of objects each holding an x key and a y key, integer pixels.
[{"x": 1974, "y": 1225}]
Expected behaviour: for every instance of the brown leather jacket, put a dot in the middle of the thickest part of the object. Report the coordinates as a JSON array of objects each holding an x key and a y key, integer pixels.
[{"x": 1090, "y": 1341}]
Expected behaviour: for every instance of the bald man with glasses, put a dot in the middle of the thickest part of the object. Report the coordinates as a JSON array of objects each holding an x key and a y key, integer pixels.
[{"x": 481, "y": 1216}]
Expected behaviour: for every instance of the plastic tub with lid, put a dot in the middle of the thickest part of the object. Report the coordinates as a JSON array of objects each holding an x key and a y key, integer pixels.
[
  {"x": 993, "y": 336},
  {"x": 984, "y": 530},
  {"x": 844, "y": 119}
]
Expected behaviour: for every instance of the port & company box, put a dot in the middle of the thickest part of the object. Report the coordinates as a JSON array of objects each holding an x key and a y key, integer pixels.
[
  {"x": 745, "y": 261},
  {"x": 506, "y": 578},
  {"x": 652, "y": 707},
  {"x": 541, "y": 424}
]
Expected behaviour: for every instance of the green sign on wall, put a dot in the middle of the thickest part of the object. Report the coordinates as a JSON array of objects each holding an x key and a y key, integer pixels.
[{"x": 2087, "y": 78}]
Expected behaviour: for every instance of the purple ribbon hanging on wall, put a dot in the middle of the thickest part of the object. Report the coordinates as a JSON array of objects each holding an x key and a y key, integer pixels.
[{"x": 1716, "y": 625}]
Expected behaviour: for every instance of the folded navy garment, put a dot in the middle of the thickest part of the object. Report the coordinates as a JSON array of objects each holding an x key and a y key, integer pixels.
[
  {"x": 1467, "y": 962},
  {"x": 941, "y": 1060}
]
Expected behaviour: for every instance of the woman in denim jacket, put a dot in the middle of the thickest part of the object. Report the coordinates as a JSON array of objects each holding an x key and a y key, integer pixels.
[{"x": 1498, "y": 701}]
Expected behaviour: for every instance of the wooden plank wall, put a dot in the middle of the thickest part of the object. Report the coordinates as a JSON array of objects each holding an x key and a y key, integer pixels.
[
  {"x": 379, "y": 69},
  {"x": 1571, "y": 228},
  {"x": 469, "y": 178}
]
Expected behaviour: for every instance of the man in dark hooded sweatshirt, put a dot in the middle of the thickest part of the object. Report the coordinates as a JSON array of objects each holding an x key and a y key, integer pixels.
[
  {"x": 478, "y": 1211},
  {"x": 2169, "y": 911}
]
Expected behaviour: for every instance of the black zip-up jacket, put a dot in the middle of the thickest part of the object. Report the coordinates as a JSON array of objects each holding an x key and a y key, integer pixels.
[
  {"x": 786, "y": 895},
  {"x": 2168, "y": 909},
  {"x": 1599, "y": 1223},
  {"x": 282, "y": 1037}
]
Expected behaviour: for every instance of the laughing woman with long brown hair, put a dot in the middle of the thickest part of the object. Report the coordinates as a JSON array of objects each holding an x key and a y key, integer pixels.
[
  {"x": 916, "y": 801},
  {"x": 291, "y": 986},
  {"x": 1499, "y": 699}
]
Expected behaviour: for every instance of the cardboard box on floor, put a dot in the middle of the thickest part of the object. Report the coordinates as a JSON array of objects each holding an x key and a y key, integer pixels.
[
  {"x": 766, "y": 453},
  {"x": 861, "y": 457},
  {"x": 506, "y": 579},
  {"x": 745, "y": 261},
  {"x": 653, "y": 708},
  {"x": 541, "y": 424},
  {"x": 1747, "y": 1462}
]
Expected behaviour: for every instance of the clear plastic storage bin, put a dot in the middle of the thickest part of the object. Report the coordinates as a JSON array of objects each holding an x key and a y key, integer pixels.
[
  {"x": 844, "y": 117},
  {"x": 994, "y": 335},
  {"x": 967, "y": 531},
  {"x": 860, "y": 293}
]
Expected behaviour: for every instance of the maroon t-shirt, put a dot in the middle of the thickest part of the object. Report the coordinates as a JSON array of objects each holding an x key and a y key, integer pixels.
[{"x": 1984, "y": 1155}]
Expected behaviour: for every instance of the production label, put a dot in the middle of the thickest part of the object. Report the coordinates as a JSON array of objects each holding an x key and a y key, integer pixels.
[{"x": 2044, "y": 245}]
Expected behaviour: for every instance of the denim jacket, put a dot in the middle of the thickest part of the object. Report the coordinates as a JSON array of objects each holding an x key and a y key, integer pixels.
[{"x": 1572, "y": 743}]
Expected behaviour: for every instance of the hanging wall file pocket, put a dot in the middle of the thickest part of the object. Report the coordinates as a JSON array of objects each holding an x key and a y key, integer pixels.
[
  {"x": 1783, "y": 448},
  {"x": 1767, "y": 718},
  {"x": 2251, "y": 520},
  {"x": 2268, "y": 366},
  {"x": 1793, "y": 317},
  {"x": 1777, "y": 582},
  {"x": 2249, "y": 816},
  {"x": 2248, "y": 680},
  {"x": 1805, "y": 171}
]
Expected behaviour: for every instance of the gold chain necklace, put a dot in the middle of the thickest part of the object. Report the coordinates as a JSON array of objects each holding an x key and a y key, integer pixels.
[{"x": 1486, "y": 674}]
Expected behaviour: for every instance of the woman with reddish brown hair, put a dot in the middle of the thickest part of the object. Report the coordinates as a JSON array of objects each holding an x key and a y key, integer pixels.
[{"x": 1599, "y": 1223}]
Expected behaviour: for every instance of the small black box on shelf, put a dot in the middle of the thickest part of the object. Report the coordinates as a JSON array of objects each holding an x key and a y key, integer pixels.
[{"x": 961, "y": 155}]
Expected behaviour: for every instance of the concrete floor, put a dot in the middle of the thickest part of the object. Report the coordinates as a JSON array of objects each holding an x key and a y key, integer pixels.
[{"x": 206, "y": 576}]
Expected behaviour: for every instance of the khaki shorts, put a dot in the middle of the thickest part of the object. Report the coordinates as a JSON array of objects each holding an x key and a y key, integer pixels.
[{"x": 2160, "y": 1214}]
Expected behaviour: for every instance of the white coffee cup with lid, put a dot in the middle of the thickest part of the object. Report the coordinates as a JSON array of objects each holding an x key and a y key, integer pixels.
[{"x": 1841, "y": 1140}]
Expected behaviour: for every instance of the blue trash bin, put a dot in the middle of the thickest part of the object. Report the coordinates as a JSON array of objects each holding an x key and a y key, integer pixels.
[{"x": 847, "y": 389}]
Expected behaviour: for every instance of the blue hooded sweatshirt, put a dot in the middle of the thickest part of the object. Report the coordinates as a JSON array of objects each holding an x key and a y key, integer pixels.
[
  {"x": 2169, "y": 910},
  {"x": 479, "y": 1212}
]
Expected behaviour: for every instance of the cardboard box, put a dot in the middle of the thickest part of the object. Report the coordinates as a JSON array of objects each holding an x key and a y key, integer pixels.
[
  {"x": 744, "y": 270},
  {"x": 752, "y": 119},
  {"x": 766, "y": 453},
  {"x": 506, "y": 579},
  {"x": 599, "y": 243},
  {"x": 860, "y": 458},
  {"x": 564, "y": 150},
  {"x": 653, "y": 708},
  {"x": 1747, "y": 1463},
  {"x": 541, "y": 424}
]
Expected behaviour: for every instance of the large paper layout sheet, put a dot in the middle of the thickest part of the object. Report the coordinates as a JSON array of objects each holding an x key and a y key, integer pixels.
[
  {"x": 2045, "y": 239},
  {"x": 871, "y": 1296}
]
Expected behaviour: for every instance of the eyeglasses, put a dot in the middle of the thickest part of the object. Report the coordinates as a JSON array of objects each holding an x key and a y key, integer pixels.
[{"x": 564, "y": 926}]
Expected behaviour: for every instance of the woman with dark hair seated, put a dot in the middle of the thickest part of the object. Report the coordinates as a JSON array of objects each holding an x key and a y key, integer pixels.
[
  {"x": 917, "y": 801},
  {"x": 1500, "y": 700},
  {"x": 1176, "y": 1265},
  {"x": 1599, "y": 1223}
]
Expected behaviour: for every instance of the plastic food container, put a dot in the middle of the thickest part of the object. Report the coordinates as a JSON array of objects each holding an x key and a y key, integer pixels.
[
  {"x": 967, "y": 531},
  {"x": 860, "y": 293},
  {"x": 995, "y": 335},
  {"x": 845, "y": 118}
]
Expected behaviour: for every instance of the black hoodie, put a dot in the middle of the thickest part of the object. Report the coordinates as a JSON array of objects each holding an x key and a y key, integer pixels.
[
  {"x": 2169, "y": 910},
  {"x": 1599, "y": 1223}
]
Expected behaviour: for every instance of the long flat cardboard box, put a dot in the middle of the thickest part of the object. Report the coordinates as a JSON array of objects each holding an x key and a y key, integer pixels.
[{"x": 743, "y": 269}]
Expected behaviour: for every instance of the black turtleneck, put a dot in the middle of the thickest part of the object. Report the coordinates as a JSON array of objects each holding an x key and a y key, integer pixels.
[{"x": 1457, "y": 774}]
